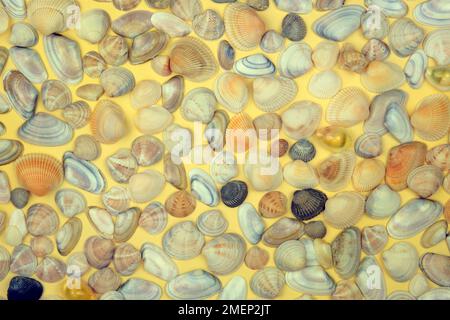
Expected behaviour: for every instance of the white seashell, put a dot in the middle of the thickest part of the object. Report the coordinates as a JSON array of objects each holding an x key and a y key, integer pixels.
[
  {"x": 418, "y": 285},
  {"x": 157, "y": 262},
  {"x": 264, "y": 176},
  {"x": 295, "y": 6},
  {"x": 183, "y": 241},
  {"x": 295, "y": 60},
  {"x": 250, "y": 222},
  {"x": 325, "y": 84},
  {"x": 391, "y": 8},
  {"x": 433, "y": 13},
  {"x": 5, "y": 189},
  {"x": 235, "y": 289},
  {"x": 146, "y": 185},
  {"x": 16, "y": 230},
  {"x": 272, "y": 93},
  {"x": 223, "y": 167},
  {"x": 436, "y": 45},
  {"x": 382, "y": 202},
  {"x": 325, "y": 55},
  {"x": 436, "y": 294},
  {"x": 301, "y": 119},
  {"x": 370, "y": 279},
  {"x": 102, "y": 221},
  {"x": 193, "y": 285},
  {"x": 231, "y": 91},
  {"x": 152, "y": 120},
  {"x": 290, "y": 256},
  {"x": 203, "y": 187},
  {"x": 212, "y": 223},
  {"x": 199, "y": 105},
  {"x": 415, "y": 69},
  {"x": 311, "y": 257},
  {"x": 300, "y": 175},
  {"x": 401, "y": 261},
  {"x": 170, "y": 24},
  {"x": 225, "y": 254},
  {"x": 311, "y": 280}
]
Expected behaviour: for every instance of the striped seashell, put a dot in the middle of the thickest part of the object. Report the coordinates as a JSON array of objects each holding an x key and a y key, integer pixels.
[
  {"x": 199, "y": 105},
  {"x": 147, "y": 46},
  {"x": 208, "y": 25},
  {"x": 10, "y": 150},
  {"x": 212, "y": 223},
  {"x": 267, "y": 283},
  {"x": 41, "y": 220},
  {"x": 345, "y": 209},
  {"x": 108, "y": 123},
  {"x": 114, "y": 50},
  {"x": 240, "y": 124},
  {"x": 117, "y": 81},
  {"x": 415, "y": 69},
  {"x": 23, "y": 261},
  {"x": 405, "y": 37},
  {"x": 29, "y": 62},
  {"x": 172, "y": 93},
  {"x": 203, "y": 187},
  {"x": 293, "y": 27},
  {"x": 70, "y": 202},
  {"x": 425, "y": 180},
  {"x": 153, "y": 218},
  {"x": 226, "y": 55},
  {"x": 272, "y": 42},
  {"x": 126, "y": 224},
  {"x": 99, "y": 252},
  {"x": 225, "y": 254},
  {"x": 93, "y": 64},
  {"x": 122, "y": 165},
  {"x": 391, "y": 8},
  {"x": 170, "y": 24},
  {"x": 312, "y": 280},
  {"x": 83, "y": 174},
  {"x": 368, "y": 145},
  {"x": 290, "y": 256},
  {"x": 180, "y": 204},
  {"x": 116, "y": 200},
  {"x": 193, "y": 285},
  {"x": 325, "y": 55},
  {"x": 254, "y": 66},
  {"x": 271, "y": 94},
  {"x": 186, "y": 10},
  {"x": 349, "y": 107},
  {"x": 132, "y": 24},
  {"x": 308, "y": 203},
  {"x": 55, "y": 95},
  {"x": 273, "y": 204},
  {"x": 68, "y": 236},
  {"x": 104, "y": 280},
  {"x": 147, "y": 150},
  {"x": 140, "y": 289},
  {"x": 439, "y": 156},
  {"x": 21, "y": 93},
  {"x": 183, "y": 241},
  {"x": 251, "y": 223},
  {"x": 335, "y": 171},
  {"x": 432, "y": 13},
  {"x": 346, "y": 252}
]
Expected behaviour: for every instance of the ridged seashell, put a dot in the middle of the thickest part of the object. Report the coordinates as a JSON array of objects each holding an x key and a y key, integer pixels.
[
  {"x": 290, "y": 256},
  {"x": 267, "y": 125},
  {"x": 301, "y": 119},
  {"x": 293, "y": 27},
  {"x": 225, "y": 253},
  {"x": 5, "y": 189},
  {"x": 234, "y": 193},
  {"x": 41, "y": 247},
  {"x": 41, "y": 220},
  {"x": 21, "y": 93},
  {"x": 49, "y": 16},
  {"x": 146, "y": 185},
  {"x": 405, "y": 37},
  {"x": 23, "y": 261},
  {"x": 117, "y": 81},
  {"x": 401, "y": 261},
  {"x": 29, "y": 62},
  {"x": 418, "y": 285},
  {"x": 93, "y": 64},
  {"x": 251, "y": 223},
  {"x": 351, "y": 59},
  {"x": 243, "y": 26},
  {"x": 5, "y": 260},
  {"x": 436, "y": 268},
  {"x": 382, "y": 202},
  {"x": 226, "y": 55},
  {"x": 180, "y": 204},
  {"x": 147, "y": 46},
  {"x": 126, "y": 224},
  {"x": 93, "y": 25},
  {"x": 264, "y": 176},
  {"x": 68, "y": 236},
  {"x": 140, "y": 289},
  {"x": 170, "y": 24},
  {"x": 116, "y": 200},
  {"x": 39, "y": 173},
  {"x": 186, "y": 10},
  {"x": 375, "y": 49},
  {"x": 231, "y": 91},
  {"x": 431, "y": 119},
  {"x": 373, "y": 239},
  {"x": 254, "y": 66},
  {"x": 172, "y": 93},
  {"x": 192, "y": 59},
  {"x": 335, "y": 171},
  {"x": 83, "y": 174},
  {"x": 108, "y": 123},
  {"x": 194, "y": 285},
  {"x": 272, "y": 93},
  {"x": 347, "y": 290},
  {"x": 439, "y": 156},
  {"x": 256, "y": 258},
  {"x": 272, "y": 42},
  {"x": 199, "y": 105},
  {"x": 64, "y": 56},
  {"x": 20, "y": 197},
  {"x": 374, "y": 78},
  {"x": 147, "y": 150},
  {"x": 300, "y": 175},
  {"x": 425, "y": 180},
  {"x": 312, "y": 280},
  {"x": 267, "y": 283},
  {"x": 308, "y": 203},
  {"x": 104, "y": 280},
  {"x": 77, "y": 114},
  {"x": 401, "y": 160},
  {"x": 51, "y": 270},
  {"x": 338, "y": 24},
  {"x": 295, "y": 60},
  {"x": 273, "y": 204},
  {"x": 87, "y": 147},
  {"x": 437, "y": 76},
  {"x": 236, "y": 289},
  {"x": 153, "y": 218},
  {"x": 212, "y": 223},
  {"x": 325, "y": 84},
  {"x": 70, "y": 202},
  {"x": 183, "y": 241},
  {"x": 391, "y": 8},
  {"x": 349, "y": 107},
  {"x": 203, "y": 187},
  {"x": 122, "y": 165},
  {"x": 208, "y": 25},
  {"x": 297, "y": 6},
  {"x": 146, "y": 94},
  {"x": 415, "y": 69},
  {"x": 370, "y": 279},
  {"x": 99, "y": 252},
  {"x": 240, "y": 133},
  {"x": 435, "y": 43},
  {"x": 374, "y": 24},
  {"x": 434, "y": 234},
  {"x": 157, "y": 262},
  {"x": 368, "y": 145},
  {"x": 325, "y": 55},
  {"x": 368, "y": 174},
  {"x": 413, "y": 217},
  {"x": 114, "y": 50},
  {"x": 16, "y": 230},
  {"x": 283, "y": 230},
  {"x": 345, "y": 209},
  {"x": 10, "y": 150}
]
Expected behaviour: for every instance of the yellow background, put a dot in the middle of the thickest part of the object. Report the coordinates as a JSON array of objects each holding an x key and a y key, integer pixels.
[{"x": 273, "y": 18}]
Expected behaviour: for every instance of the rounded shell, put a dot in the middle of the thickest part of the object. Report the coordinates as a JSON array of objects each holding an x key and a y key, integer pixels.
[
  {"x": 183, "y": 241},
  {"x": 225, "y": 253},
  {"x": 345, "y": 209},
  {"x": 267, "y": 283}
]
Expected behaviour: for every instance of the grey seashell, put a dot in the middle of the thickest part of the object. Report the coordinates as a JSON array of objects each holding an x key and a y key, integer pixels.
[
  {"x": 20, "y": 197},
  {"x": 397, "y": 122},
  {"x": 226, "y": 55},
  {"x": 140, "y": 289},
  {"x": 382, "y": 202},
  {"x": 405, "y": 37},
  {"x": 374, "y": 24},
  {"x": 114, "y": 50},
  {"x": 193, "y": 285},
  {"x": 415, "y": 69},
  {"x": 208, "y": 25},
  {"x": 254, "y": 66},
  {"x": 212, "y": 223},
  {"x": 370, "y": 279},
  {"x": 235, "y": 289},
  {"x": 23, "y": 35},
  {"x": 376, "y": 49},
  {"x": 16, "y": 9},
  {"x": 93, "y": 25},
  {"x": 216, "y": 129},
  {"x": 5, "y": 106},
  {"x": 340, "y": 23},
  {"x": 64, "y": 56},
  {"x": 117, "y": 81},
  {"x": 435, "y": 44},
  {"x": 21, "y": 93},
  {"x": 10, "y": 150},
  {"x": 369, "y": 145},
  {"x": 271, "y": 42},
  {"x": 295, "y": 60},
  {"x": 83, "y": 174},
  {"x": 259, "y": 5},
  {"x": 77, "y": 114},
  {"x": 416, "y": 215},
  {"x": 400, "y": 295},
  {"x": 436, "y": 294},
  {"x": 183, "y": 241},
  {"x": 147, "y": 46},
  {"x": 158, "y": 4},
  {"x": 157, "y": 262},
  {"x": 401, "y": 261},
  {"x": 346, "y": 251},
  {"x": 293, "y": 27},
  {"x": 267, "y": 283},
  {"x": 391, "y": 8},
  {"x": 70, "y": 202},
  {"x": 172, "y": 93},
  {"x": 434, "y": 13},
  {"x": 225, "y": 254},
  {"x": 325, "y": 5},
  {"x": 93, "y": 64},
  {"x": 294, "y": 6},
  {"x": 44, "y": 129},
  {"x": 418, "y": 285},
  {"x": 55, "y": 95},
  {"x": 132, "y": 24},
  {"x": 203, "y": 187},
  {"x": 311, "y": 280},
  {"x": 251, "y": 223}
]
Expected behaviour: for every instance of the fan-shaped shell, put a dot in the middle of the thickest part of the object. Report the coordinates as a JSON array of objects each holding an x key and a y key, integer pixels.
[
  {"x": 336, "y": 170},
  {"x": 180, "y": 204},
  {"x": 231, "y": 91},
  {"x": 50, "y": 16},
  {"x": 345, "y": 209},
  {"x": 209, "y": 25},
  {"x": 116, "y": 200},
  {"x": 368, "y": 174},
  {"x": 108, "y": 123},
  {"x": 349, "y": 107},
  {"x": 272, "y": 93},
  {"x": 431, "y": 119},
  {"x": 272, "y": 42},
  {"x": 308, "y": 203}
]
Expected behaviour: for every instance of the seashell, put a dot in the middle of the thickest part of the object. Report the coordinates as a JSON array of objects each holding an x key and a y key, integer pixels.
[
  {"x": 172, "y": 93},
  {"x": 374, "y": 79},
  {"x": 240, "y": 133},
  {"x": 140, "y": 289},
  {"x": 223, "y": 167},
  {"x": 301, "y": 119},
  {"x": 234, "y": 193},
  {"x": 251, "y": 223},
  {"x": 279, "y": 148},
  {"x": 432, "y": 13},
  {"x": 152, "y": 120},
  {"x": 203, "y": 187},
  {"x": 170, "y": 24},
  {"x": 335, "y": 171},
  {"x": 102, "y": 221},
  {"x": 177, "y": 141},
  {"x": 104, "y": 280},
  {"x": 325, "y": 84},
  {"x": 146, "y": 185},
  {"x": 157, "y": 262},
  {"x": 83, "y": 174},
  {"x": 29, "y": 62},
  {"x": 126, "y": 224},
  {"x": 244, "y": 28},
  {"x": 339, "y": 24},
  {"x": 439, "y": 156},
  {"x": 418, "y": 285},
  {"x": 352, "y": 60},
  {"x": 368, "y": 145},
  {"x": 145, "y": 94},
  {"x": 21, "y": 93},
  {"x": 347, "y": 290},
  {"x": 175, "y": 172},
  {"x": 70, "y": 202},
  {"x": 147, "y": 150},
  {"x": 77, "y": 114},
  {"x": 161, "y": 65},
  {"x": 267, "y": 283},
  {"x": 256, "y": 258},
  {"x": 51, "y": 270},
  {"x": 199, "y": 105},
  {"x": 108, "y": 123},
  {"x": 212, "y": 223},
  {"x": 436, "y": 294},
  {"x": 401, "y": 261},
  {"x": 41, "y": 246},
  {"x": 183, "y": 241},
  {"x": 5, "y": 260},
  {"x": 272, "y": 42},
  {"x": 405, "y": 37},
  {"x": 132, "y": 24},
  {"x": 302, "y": 6},
  {"x": 231, "y": 91},
  {"x": 10, "y": 150},
  {"x": 153, "y": 218},
  {"x": 125, "y": 5},
  {"x": 49, "y": 16},
  {"x": 254, "y": 66},
  {"x": 368, "y": 174},
  {"x": 431, "y": 119},
  {"x": 5, "y": 105},
  {"x": 283, "y": 230},
  {"x": 290, "y": 256},
  {"x": 93, "y": 64},
  {"x": 401, "y": 160},
  {"x": 273, "y": 204},
  {"x": 434, "y": 46},
  {"x": 415, "y": 69},
  {"x": 99, "y": 252},
  {"x": 4, "y": 19},
  {"x": 114, "y": 50},
  {"x": 436, "y": 268},
  {"x": 437, "y": 76},
  {"x": 375, "y": 49},
  {"x": 180, "y": 204},
  {"x": 186, "y": 10},
  {"x": 236, "y": 289},
  {"x": 434, "y": 234},
  {"x": 122, "y": 165},
  {"x": 93, "y": 25},
  {"x": 446, "y": 185},
  {"x": 391, "y": 8},
  {"x": 117, "y": 81},
  {"x": 373, "y": 239},
  {"x": 147, "y": 46},
  {"x": 271, "y": 94},
  {"x": 5, "y": 189},
  {"x": 68, "y": 236},
  {"x": 267, "y": 125},
  {"x": 323, "y": 253},
  {"x": 349, "y": 107},
  {"x": 369, "y": 272},
  {"x": 225, "y": 253},
  {"x": 194, "y": 285},
  {"x": 345, "y": 209},
  {"x": 300, "y": 175},
  {"x": 400, "y": 295},
  {"x": 311, "y": 280},
  {"x": 3, "y": 220},
  {"x": 315, "y": 229},
  {"x": 39, "y": 173},
  {"x": 20, "y": 197},
  {"x": 24, "y": 289},
  {"x": 382, "y": 202},
  {"x": 264, "y": 176},
  {"x": 64, "y": 56},
  {"x": 293, "y": 27},
  {"x": 346, "y": 251},
  {"x": 4, "y": 54},
  {"x": 215, "y": 133},
  {"x": 325, "y": 55},
  {"x": 208, "y": 25},
  {"x": 295, "y": 60},
  {"x": 87, "y": 147},
  {"x": 325, "y": 5},
  {"x": 374, "y": 24},
  {"x": 425, "y": 180},
  {"x": 415, "y": 216},
  {"x": 16, "y": 230},
  {"x": 41, "y": 220},
  {"x": 225, "y": 55},
  {"x": 23, "y": 261}
]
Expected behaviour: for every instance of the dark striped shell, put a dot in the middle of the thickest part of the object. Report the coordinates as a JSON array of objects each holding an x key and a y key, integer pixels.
[
  {"x": 293, "y": 27},
  {"x": 302, "y": 150},
  {"x": 234, "y": 193},
  {"x": 308, "y": 203}
]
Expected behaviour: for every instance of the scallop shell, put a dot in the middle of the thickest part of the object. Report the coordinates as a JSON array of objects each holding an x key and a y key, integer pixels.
[
  {"x": 325, "y": 55},
  {"x": 368, "y": 174},
  {"x": 77, "y": 114},
  {"x": 415, "y": 69},
  {"x": 23, "y": 261},
  {"x": 153, "y": 218},
  {"x": 290, "y": 256},
  {"x": 293, "y": 27},
  {"x": 374, "y": 78},
  {"x": 272, "y": 42},
  {"x": 351, "y": 59},
  {"x": 431, "y": 119},
  {"x": 199, "y": 105},
  {"x": 240, "y": 134},
  {"x": 16, "y": 230},
  {"x": 93, "y": 25},
  {"x": 433, "y": 13},
  {"x": 435, "y": 44},
  {"x": 369, "y": 145},
  {"x": 51, "y": 270},
  {"x": 325, "y": 84},
  {"x": 114, "y": 50},
  {"x": 434, "y": 234},
  {"x": 436, "y": 268},
  {"x": 405, "y": 37},
  {"x": 208, "y": 25},
  {"x": 183, "y": 241},
  {"x": 382, "y": 202},
  {"x": 117, "y": 81},
  {"x": 41, "y": 220},
  {"x": 301, "y": 119},
  {"x": 10, "y": 150},
  {"x": 271, "y": 94},
  {"x": 146, "y": 185},
  {"x": 311, "y": 280},
  {"x": 157, "y": 262},
  {"x": 375, "y": 49},
  {"x": 349, "y": 107},
  {"x": 267, "y": 283},
  {"x": 172, "y": 93},
  {"x": 122, "y": 165},
  {"x": 68, "y": 236},
  {"x": 295, "y": 60},
  {"x": 300, "y": 175},
  {"x": 194, "y": 285},
  {"x": 374, "y": 239},
  {"x": 93, "y": 64},
  {"x": 29, "y": 62},
  {"x": 212, "y": 223},
  {"x": 147, "y": 46},
  {"x": 226, "y": 55},
  {"x": 21, "y": 93},
  {"x": 49, "y": 16},
  {"x": 425, "y": 180},
  {"x": 345, "y": 209},
  {"x": 335, "y": 171},
  {"x": 401, "y": 261},
  {"x": 104, "y": 280}
]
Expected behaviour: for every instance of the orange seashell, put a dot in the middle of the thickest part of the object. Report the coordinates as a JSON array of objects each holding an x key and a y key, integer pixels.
[
  {"x": 180, "y": 204},
  {"x": 401, "y": 160},
  {"x": 273, "y": 204},
  {"x": 39, "y": 173},
  {"x": 349, "y": 107},
  {"x": 335, "y": 171},
  {"x": 256, "y": 258},
  {"x": 431, "y": 119},
  {"x": 241, "y": 133},
  {"x": 368, "y": 174},
  {"x": 108, "y": 122}
]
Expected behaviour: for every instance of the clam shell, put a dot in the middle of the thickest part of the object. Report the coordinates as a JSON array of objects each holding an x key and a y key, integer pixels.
[
  {"x": 436, "y": 294},
  {"x": 425, "y": 180},
  {"x": 153, "y": 218},
  {"x": 400, "y": 295},
  {"x": 49, "y": 16},
  {"x": 16, "y": 230},
  {"x": 126, "y": 224},
  {"x": 295, "y": 60},
  {"x": 203, "y": 187},
  {"x": 122, "y": 165},
  {"x": 83, "y": 174},
  {"x": 10, "y": 150},
  {"x": 311, "y": 280},
  {"x": 415, "y": 69},
  {"x": 374, "y": 24},
  {"x": 418, "y": 285},
  {"x": 177, "y": 141},
  {"x": 373, "y": 239},
  {"x": 272, "y": 42},
  {"x": 212, "y": 223},
  {"x": 271, "y": 94},
  {"x": 170, "y": 24},
  {"x": 302, "y": 6},
  {"x": 290, "y": 256},
  {"x": 39, "y": 173},
  {"x": 125, "y": 5},
  {"x": 338, "y": 24},
  {"x": 180, "y": 204},
  {"x": 335, "y": 171},
  {"x": 186, "y": 10},
  {"x": 251, "y": 223},
  {"x": 437, "y": 76},
  {"x": 70, "y": 202},
  {"x": 231, "y": 91},
  {"x": 99, "y": 252},
  {"x": 325, "y": 55},
  {"x": 161, "y": 65},
  {"x": 199, "y": 105},
  {"x": 225, "y": 254},
  {"x": 405, "y": 37},
  {"x": 5, "y": 189},
  {"x": 172, "y": 93},
  {"x": 29, "y": 62},
  {"x": 147, "y": 150},
  {"x": 436, "y": 268},
  {"x": 194, "y": 285},
  {"x": 325, "y": 5},
  {"x": 349, "y": 107},
  {"x": 215, "y": 134},
  {"x": 433, "y": 13},
  {"x": 157, "y": 262},
  {"x": 293, "y": 27},
  {"x": 244, "y": 28},
  {"x": 351, "y": 59},
  {"x": 64, "y": 56},
  {"x": 369, "y": 145},
  {"x": 397, "y": 122},
  {"x": 439, "y": 156},
  {"x": 90, "y": 92},
  {"x": 102, "y": 221},
  {"x": 273, "y": 204},
  {"x": 4, "y": 55},
  {"x": 315, "y": 229},
  {"x": 234, "y": 193},
  {"x": 4, "y": 19},
  {"x": 5, "y": 105},
  {"x": 145, "y": 94},
  {"x": 108, "y": 123},
  {"x": 24, "y": 288},
  {"x": 146, "y": 185},
  {"x": 68, "y": 236},
  {"x": 21, "y": 93},
  {"x": 5, "y": 260},
  {"x": 41, "y": 220},
  {"x": 283, "y": 230},
  {"x": 325, "y": 84},
  {"x": 368, "y": 174},
  {"x": 87, "y": 147},
  {"x": 51, "y": 270},
  {"x": 256, "y": 258},
  {"x": 77, "y": 114},
  {"x": 374, "y": 78},
  {"x": 152, "y": 120},
  {"x": 254, "y": 66},
  {"x": 20, "y": 197},
  {"x": 93, "y": 25},
  {"x": 301, "y": 119},
  {"x": 236, "y": 289},
  {"x": 104, "y": 280},
  {"x": 140, "y": 289},
  {"x": 225, "y": 55},
  {"x": 114, "y": 50},
  {"x": 375, "y": 49},
  {"x": 23, "y": 261},
  {"x": 147, "y": 46},
  {"x": 382, "y": 202},
  {"x": 431, "y": 119},
  {"x": 434, "y": 234},
  {"x": 434, "y": 46},
  {"x": 415, "y": 216},
  {"x": 117, "y": 81},
  {"x": 183, "y": 241},
  {"x": 132, "y": 24},
  {"x": 401, "y": 261},
  {"x": 391, "y": 8},
  {"x": 323, "y": 253},
  {"x": 93, "y": 64},
  {"x": 300, "y": 175},
  {"x": 370, "y": 279},
  {"x": 267, "y": 283},
  {"x": 267, "y": 125},
  {"x": 223, "y": 167},
  {"x": 175, "y": 172},
  {"x": 208, "y": 25},
  {"x": 345, "y": 209},
  {"x": 264, "y": 177},
  {"x": 347, "y": 290}
]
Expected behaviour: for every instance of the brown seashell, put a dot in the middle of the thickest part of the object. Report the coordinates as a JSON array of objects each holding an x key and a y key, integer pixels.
[
  {"x": 439, "y": 156},
  {"x": 256, "y": 258},
  {"x": 373, "y": 239},
  {"x": 368, "y": 174},
  {"x": 173, "y": 93},
  {"x": 181, "y": 204},
  {"x": 347, "y": 290},
  {"x": 175, "y": 172},
  {"x": 90, "y": 92},
  {"x": 345, "y": 209},
  {"x": 116, "y": 200},
  {"x": 125, "y": 5},
  {"x": 336, "y": 170},
  {"x": 376, "y": 49},
  {"x": 23, "y": 261},
  {"x": 39, "y": 173},
  {"x": 77, "y": 114},
  {"x": 147, "y": 150},
  {"x": 208, "y": 25},
  {"x": 126, "y": 224},
  {"x": 126, "y": 259},
  {"x": 122, "y": 165},
  {"x": 41, "y": 246},
  {"x": 99, "y": 252},
  {"x": 226, "y": 55},
  {"x": 265, "y": 123},
  {"x": 51, "y": 270},
  {"x": 283, "y": 230},
  {"x": 55, "y": 95},
  {"x": 42, "y": 220},
  {"x": 447, "y": 211},
  {"x": 108, "y": 122},
  {"x": 273, "y": 204},
  {"x": 436, "y": 267},
  {"x": 68, "y": 236},
  {"x": 352, "y": 60},
  {"x": 77, "y": 264},
  {"x": 104, "y": 280},
  {"x": 154, "y": 218},
  {"x": 132, "y": 24},
  {"x": 401, "y": 160},
  {"x": 114, "y": 50},
  {"x": 279, "y": 148},
  {"x": 425, "y": 180},
  {"x": 148, "y": 46},
  {"x": 87, "y": 147},
  {"x": 93, "y": 64},
  {"x": 186, "y": 9}
]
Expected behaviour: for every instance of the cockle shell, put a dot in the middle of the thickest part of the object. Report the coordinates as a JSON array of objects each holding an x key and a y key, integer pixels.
[
  {"x": 234, "y": 193},
  {"x": 301, "y": 119},
  {"x": 114, "y": 50},
  {"x": 401, "y": 261},
  {"x": 374, "y": 78},
  {"x": 373, "y": 239},
  {"x": 29, "y": 62},
  {"x": 83, "y": 174},
  {"x": 290, "y": 256},
  {"x": 225, "y": 253},
  {"x": 170, "y": 24},
  {"x": 93, "y": 25},
  {"x": 345, "y": 209},
  {"x": 41, "y": 220},
  {"x": 272, "y": 42},
  {"x": 293, "y": 27},
  {"x": 335, "y": 171},
  {"x": 435, "y": 44},
  {"x": 51, "y": 270},
  {"x": 439, "y": 156},
  {"x": 312, "y": 280},
  {"x": 405, "y": 37},
  {"x": 146, "y": 185},
  {"x": 194, "y": 285},
  {"x": 23, "y": 261},
  {"x": 302, "y": 150},
  {"x": 153, "y": 218},
  {"x": 147, "y": 150},
  {"x": 104, "y": 280},
  {"x": 140, "y": 289},
  {"x": 251, "y": 223},
  {"x": 370, "y": 279},
  {"x": 273, "y": 204},
  {"x": 267, "y": 283},
  {"x": 415, "y": 69},
  {"x": 368, "y": 174},
  {"x": 349, "y": 107},
  {"x": 49, "y": 16},
  {"x": 117, "y": 81},
  {"x": 325, "y": 84},
  {"x": 21, "y": 93},
  {"x": 147, "y": 46},
  {"x": 425, "y": 180},
  {"x": 236, "y": 289},
  {"x": 16, "y": 230},
  {"x": 68, "y": 236},
  {"x": 256, "y": 258},
  {"x": 295, "y": 60},
  {"x": 433, "y": 13},
  {"x": 271, "y": 94},
  {"x": 180, "y": 204},
  {"x": 157, "y": 262},
  {"x": 208, "y": 25},
  {"x": 183, "y": 241},
  {"x": 212, "y": 223},
  {"x": 436, "y": 268},
  {"x": 231, "y": 91},
  {"x": 283, "y": 230},
  {"x": 10, "y": 150},
  {"x": 223, "y": 167},
  {"x": 300, "y": 175}
]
